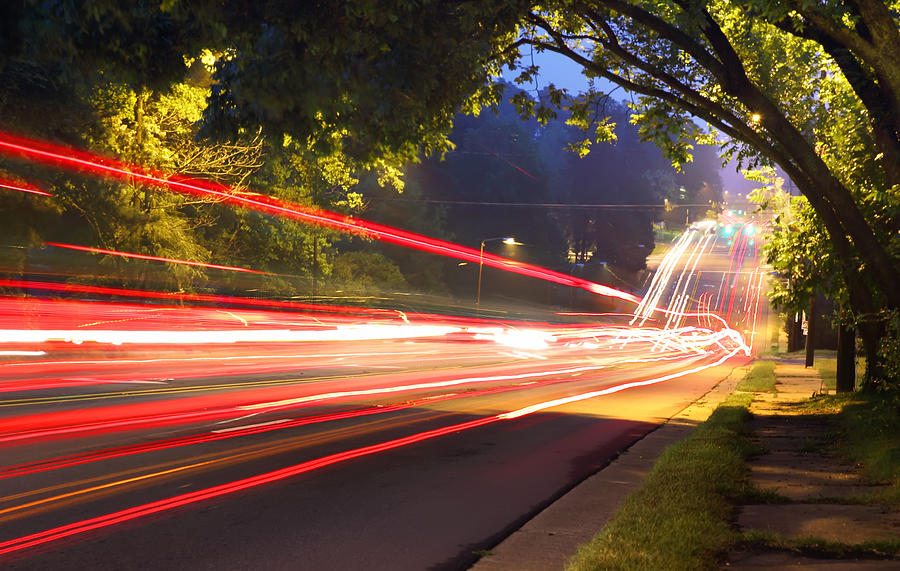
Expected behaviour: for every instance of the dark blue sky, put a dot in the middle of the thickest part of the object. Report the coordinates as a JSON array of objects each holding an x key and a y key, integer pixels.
[{"x": 563, "y": 72}]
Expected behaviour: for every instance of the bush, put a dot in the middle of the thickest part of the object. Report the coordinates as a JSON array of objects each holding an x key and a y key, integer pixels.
[{"x": 366, "y": 273}]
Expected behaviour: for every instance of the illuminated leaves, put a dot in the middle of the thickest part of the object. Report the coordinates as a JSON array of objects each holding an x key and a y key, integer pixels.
[
  {"x": 366, "y": 273},
  {"x": 391, "y": 74}
]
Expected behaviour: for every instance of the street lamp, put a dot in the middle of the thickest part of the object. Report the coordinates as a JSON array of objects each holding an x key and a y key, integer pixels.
[{"x": 509, "y": 241}]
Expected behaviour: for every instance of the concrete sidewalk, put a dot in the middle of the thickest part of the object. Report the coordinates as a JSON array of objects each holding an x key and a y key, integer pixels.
[
  {"x": 822, "y": 496},
  {"x": 549, "y": 539}
]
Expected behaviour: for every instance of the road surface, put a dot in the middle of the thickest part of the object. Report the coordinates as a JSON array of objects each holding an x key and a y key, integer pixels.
[{"x": 224, "y": 438}]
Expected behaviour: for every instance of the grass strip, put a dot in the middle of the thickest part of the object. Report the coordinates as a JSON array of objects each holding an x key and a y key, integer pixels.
[
  {"x": 760, "y": 379},
  {"x": 868, "y": 435},
  {"x": 826, "y": 363},
  {"x": 827, "y": 367},
  {"x": 815, "y": 547},
  {"x": 870, "y": 425},
  {"x": 679, "y": 518}
]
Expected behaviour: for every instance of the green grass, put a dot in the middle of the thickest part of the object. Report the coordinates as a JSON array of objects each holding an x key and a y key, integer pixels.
[
  {"x": 827, "y": 367},
  {"x": 679, "y": 518},
  {"x": 826, "y": 364},
  {"x": 660, "y": 249},
  {"x": 871, "y": 437},
  {"x": 816, "y": 547},
  {"x": 825, "y": 404},
  {"x": 760, "y": 379}
]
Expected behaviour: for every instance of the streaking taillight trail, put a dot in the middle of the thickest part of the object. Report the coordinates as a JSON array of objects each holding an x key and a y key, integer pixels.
[
  {"x": 167, "y": 504},
  {"x": 80, "y": 160}
]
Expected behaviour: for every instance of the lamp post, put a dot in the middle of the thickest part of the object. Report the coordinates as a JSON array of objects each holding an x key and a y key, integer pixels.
[{"x": 508, "y": 240}]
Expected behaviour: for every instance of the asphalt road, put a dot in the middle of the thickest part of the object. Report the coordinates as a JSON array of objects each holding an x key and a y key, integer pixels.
[
  {"x": 375, "y": 452},
  {"x": 427, "y": 504}
]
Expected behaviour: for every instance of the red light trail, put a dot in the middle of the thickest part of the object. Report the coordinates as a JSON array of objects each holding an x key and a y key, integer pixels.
[
  {"x": 227, "y": 433},
  {"x": 94, "y": 420},
  {"x": 152, "y": 258},
  {"x": 122, "y": 516},
  {"x": 22, "y": 187},
  {"x": 67, "y": 158},
  {"x": 166, "y": 504},
  {"x": 309, "y": 392},
  {"x": 177, "y": 298}
]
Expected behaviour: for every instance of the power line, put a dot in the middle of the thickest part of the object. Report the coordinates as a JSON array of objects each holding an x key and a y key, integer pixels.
[{"x": 610, "y": 206}]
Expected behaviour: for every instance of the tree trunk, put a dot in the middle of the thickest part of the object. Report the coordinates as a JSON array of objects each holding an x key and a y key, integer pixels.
[
  {"x": 824, "y": 190},
  {"x": 871, "y": 330},
  {"x": 139, "y": 123},
  {"x": 846, "y": 359},
  {"x": 139, "y": 198},
  {"x": 871, "y": 333}
]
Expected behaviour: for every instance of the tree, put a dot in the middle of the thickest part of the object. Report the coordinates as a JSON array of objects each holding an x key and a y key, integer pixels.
[
  {"x": 393, "y": 72},
  {"x": 113, "y": 112},
  {"x": 153, "y": 128},
  {"x": 718, "y": 62},
  {"x": 864, "y": 42},
  {"x": 630, "y": 179},
  {"x": 800, "y": 252},
  {"x": 413, "y": 212},
  {"x": 293, "y": 172},
  {"x": 389, "y": 75},
  {"x": 497, "y": 160}
]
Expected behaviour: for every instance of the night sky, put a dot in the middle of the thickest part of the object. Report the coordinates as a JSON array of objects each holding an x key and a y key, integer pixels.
[{"x": 565, "y": 73}]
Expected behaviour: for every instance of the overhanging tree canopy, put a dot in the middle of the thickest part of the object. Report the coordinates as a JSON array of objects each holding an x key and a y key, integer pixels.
[
  {"x": 747, "y": 78},
  {"x": 785, "y": 80}
]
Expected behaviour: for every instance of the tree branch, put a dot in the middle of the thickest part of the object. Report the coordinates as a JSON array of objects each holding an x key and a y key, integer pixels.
[
  {"x": 690, "y": 100},
  {"x": 827, "y": 193}
]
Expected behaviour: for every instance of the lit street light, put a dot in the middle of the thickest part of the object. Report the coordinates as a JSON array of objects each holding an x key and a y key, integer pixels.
[{"x": 509, "y": 241}]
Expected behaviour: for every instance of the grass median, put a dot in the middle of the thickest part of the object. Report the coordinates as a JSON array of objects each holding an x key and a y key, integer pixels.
[
  {"x": 760, "y": 379},
  {"x": 679, "y": 518}
]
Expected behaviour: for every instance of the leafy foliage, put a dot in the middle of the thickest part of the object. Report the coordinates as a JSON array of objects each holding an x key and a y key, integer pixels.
[
  {"x": 808, "y": 86},
  {"x": 366, "y": 273},
  {"x": 388, "y": 75}
]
